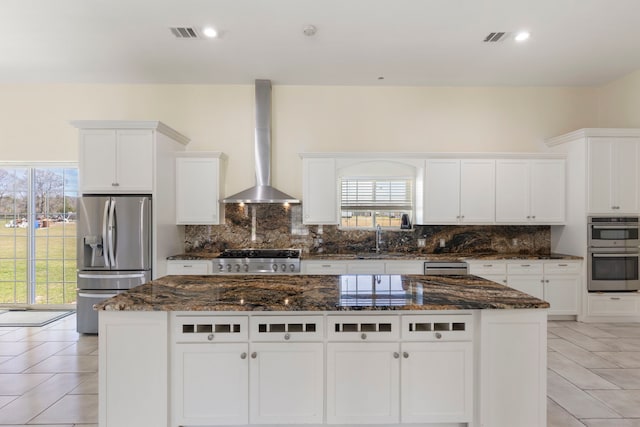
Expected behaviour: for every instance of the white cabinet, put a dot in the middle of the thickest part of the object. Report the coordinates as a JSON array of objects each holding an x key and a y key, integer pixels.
[
  {"x": 496, "y": 271},
  {"x": 199, "y": 183},
  {"x": 624, "y": 304},
  {"x": 404, "y": 267},
  {"x": 210, "y": 384},
  {"x": 133, "y": 363},
  {"x": 613, "y": 175},
  {"x": 319, "y": 191},
  {"x": 286, "y": 383},
  {"x": 323, "y": 267},
  {"x": 530, "y": 191},
  {"x": 363, "y": 383},
  {"x": 366, "y": 267},
  {"x": 526, "y": 277},
  {"x": 380, "y": 266},
  {"x": 116, "y": 161},
  {"x": 180, "y": 267},
  {"x": 459, "y": 191}
]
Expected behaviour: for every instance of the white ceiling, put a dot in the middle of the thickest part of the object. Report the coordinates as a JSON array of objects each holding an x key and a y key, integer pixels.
[{"x": 409, "y": 42}]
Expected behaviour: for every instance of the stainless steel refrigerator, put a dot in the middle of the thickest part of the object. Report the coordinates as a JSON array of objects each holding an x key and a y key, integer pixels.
[{"x": 114, "y": 251}]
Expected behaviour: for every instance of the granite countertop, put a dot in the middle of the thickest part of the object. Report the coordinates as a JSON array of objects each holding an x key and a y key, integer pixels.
[
  {"x": 401, "y": 256},
  {"x": 319, "y": 293}
]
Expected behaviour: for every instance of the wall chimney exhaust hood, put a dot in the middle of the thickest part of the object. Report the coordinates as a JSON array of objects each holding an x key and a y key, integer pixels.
[{"x": 262, "y": 192}]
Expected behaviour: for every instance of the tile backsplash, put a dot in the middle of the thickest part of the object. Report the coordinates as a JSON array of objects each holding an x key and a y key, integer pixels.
[{"x": 277, "y": 226}]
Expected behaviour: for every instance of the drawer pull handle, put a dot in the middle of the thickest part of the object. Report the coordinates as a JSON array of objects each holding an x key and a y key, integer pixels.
[
  {"x": 563, "y": 265},
  {"x": 438, "y": 335},
  {"x": 326, "y": 265},
  {"x": 210, "y": 337},
  {"x": 254, "y": 355},
  {"x": 187, "y": 265},
  {"x": 405, "y": 355},
  {"x": 287, "y": 336},
  {"x": 396, "y": 355},
  {"x": 525, "y": 265},
  {"x": 615, "y": 298},
  {"x": 363, "y": 336},
  {"x": 243, "y": 356},
  {"x": 487, "y": 265}
]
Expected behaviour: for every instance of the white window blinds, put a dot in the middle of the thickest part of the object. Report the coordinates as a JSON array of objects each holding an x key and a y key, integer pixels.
[{"x": 377, "y": 194}]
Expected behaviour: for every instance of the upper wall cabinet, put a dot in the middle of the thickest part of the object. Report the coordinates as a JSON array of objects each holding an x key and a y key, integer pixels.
[
  {"x": 319, "y": 191},
  {"x": 199, "y": 183},
  {"x": 116, "y": 161},
  {"x": 459, "y": 191},
  {"x": 613, "y": 179},
  {"x": 530, "y": 191}
]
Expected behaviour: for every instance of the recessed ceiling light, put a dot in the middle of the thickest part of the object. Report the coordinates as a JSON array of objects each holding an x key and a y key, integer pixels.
[
  {"x": 210, "y": 32},
  {"x": 522, "y": 36}
]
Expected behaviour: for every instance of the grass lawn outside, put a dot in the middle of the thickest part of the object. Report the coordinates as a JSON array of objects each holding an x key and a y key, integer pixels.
[{"x": 55, "y": 264}]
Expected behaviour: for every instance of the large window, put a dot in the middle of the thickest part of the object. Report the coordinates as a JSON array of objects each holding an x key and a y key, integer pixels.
[
  {"x": 368, "y": 202},
  {"x": 38, "y": 234}
]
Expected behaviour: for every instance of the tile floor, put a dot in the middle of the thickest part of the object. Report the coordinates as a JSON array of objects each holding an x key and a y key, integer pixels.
[{"x": 48, "y": 375}]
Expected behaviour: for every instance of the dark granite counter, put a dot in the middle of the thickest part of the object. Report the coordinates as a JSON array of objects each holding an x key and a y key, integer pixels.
[
  {"x": 402, "y": 256},
  {"x": 320, "y": 293}
]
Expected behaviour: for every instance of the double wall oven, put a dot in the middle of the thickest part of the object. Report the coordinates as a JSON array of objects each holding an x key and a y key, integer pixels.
[{"x": 613, "y": 257}]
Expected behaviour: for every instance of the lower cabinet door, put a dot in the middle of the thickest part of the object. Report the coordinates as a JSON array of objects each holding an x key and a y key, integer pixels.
[
  {"x": 561, "y": 292},
  {"x": 529, "y": 284},
  {"x": 437, "y": 382},
  {"x": 363, "y": 381},
  {"x": 210, "y": 384},
  {"x": 287, "y": 383}
]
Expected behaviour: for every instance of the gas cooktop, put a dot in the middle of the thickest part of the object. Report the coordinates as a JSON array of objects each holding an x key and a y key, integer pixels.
[{"x": 260, "y": 253}]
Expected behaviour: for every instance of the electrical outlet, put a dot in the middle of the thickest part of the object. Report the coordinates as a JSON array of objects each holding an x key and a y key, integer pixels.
[
  {"x": 422, "y": 243},
  {"x": 442, "y": 243},
  {"x": 514, "y": 241}
]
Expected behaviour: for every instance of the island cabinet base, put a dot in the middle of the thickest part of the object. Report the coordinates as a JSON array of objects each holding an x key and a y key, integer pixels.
[{"x": 473, "y": 368}]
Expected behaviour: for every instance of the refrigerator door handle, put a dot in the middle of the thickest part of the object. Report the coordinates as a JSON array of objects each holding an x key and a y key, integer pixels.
[
  {"x": 105, "y": 241},
  {"x": 85, "y": 295},
  {"x": 110, "y": 276},
  {"x": 110, "y": 233}
]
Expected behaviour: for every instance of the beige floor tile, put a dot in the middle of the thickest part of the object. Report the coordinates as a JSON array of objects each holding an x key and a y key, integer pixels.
[
  {"x": 551, "y": 335},
  {"x": 622, "y": 330},
  {"x": 620, "y": 344},
  {"x": 90, "y": 386},
  {"x": 56, "y": 335},
  {"x": 5, "y": 358},
  {"x": 579, "y": 355},
  {"x": 590, "y": 330},
  {"x": 79, "y": 408},
  {"x": 32, "y": 357},
  {"x": 558, "y": 417},
  {"x": 6, "y": 399},
  {"x": 16, "y": 348},
  {"x": 576, "y": 374},
  {"x": 36, "y": 400},
  {"x": 80, "y": 348},
  {"x": 624, "y": 378},
  {"x": 16, "y": 384},
  {"x": 55, "y": 364},
  {"x": 575, "y": 401},
  {"x": 624, "y": 402},
  {"x": 624, "y": 359},
  {"x": 581, "y": 340},
  {"x": 612, "y": 423}
]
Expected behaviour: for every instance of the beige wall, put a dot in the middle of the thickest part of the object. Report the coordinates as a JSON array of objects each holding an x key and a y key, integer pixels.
[
  {"x": 34, "y": 120},
  {"x": 619, "y": 102}
]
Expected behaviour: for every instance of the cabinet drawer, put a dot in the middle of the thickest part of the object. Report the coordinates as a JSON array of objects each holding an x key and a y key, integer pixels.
[
  {"x": 404, "y": 267},
  {"x": 485, "y": 268},
  {"x": 365, "y": 267},
  {"x": 524, "y": 268},
  {"x": 287, "y": 328},
  {"x": 562, "y": 267},
  {"x": 613, "y": 305},
  {"x": 186, "y": 328},
  {"x": 188, "y": 267},
  {"x": 363, "y": 328},
  {"x": 324, "y": 267},
  {"x": 437, "y": 327}
]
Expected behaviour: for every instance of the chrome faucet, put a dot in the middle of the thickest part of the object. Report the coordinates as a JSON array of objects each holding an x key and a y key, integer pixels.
[{"x": 378, "y": 238}]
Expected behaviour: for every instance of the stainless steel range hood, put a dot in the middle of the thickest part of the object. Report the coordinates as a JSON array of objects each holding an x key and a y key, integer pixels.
[{"x": 262, "y": 192}]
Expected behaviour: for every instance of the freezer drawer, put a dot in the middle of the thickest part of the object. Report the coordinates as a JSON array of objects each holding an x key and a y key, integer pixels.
[
  {"x": 86, "y": 316},
  {"x": 112, "y": 280}
]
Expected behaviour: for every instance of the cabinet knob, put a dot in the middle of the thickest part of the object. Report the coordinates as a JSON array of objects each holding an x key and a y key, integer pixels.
[
  {"x": 405, "y": 355},
  {"x": 533, "y": 217},
  {"x": 243, "y": 356},
  {"x": 254, "y": 355},
  {"x": 210, "y": 337},
  {"x": 546, "y": 281},
  {"x": 542, "y": 281},
  {"x": 287, "y": 336},
  {"x": 438, "y": 335},
  {"x": 363, "y": 336},
  {"x": 396, "y": 355}
]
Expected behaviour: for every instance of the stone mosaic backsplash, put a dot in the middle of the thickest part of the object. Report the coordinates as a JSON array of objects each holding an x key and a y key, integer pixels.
[{"x": 277, "y": 226}]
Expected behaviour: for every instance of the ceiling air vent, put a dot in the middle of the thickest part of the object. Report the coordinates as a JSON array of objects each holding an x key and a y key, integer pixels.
[
  {"x": 495, "y": 37},
  {"x": 184, "y": 32}
]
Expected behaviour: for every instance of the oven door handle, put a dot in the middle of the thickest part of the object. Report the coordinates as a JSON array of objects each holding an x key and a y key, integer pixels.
[
  {"x": 614, "y": 227},
  {"x": 615, "y": 255}
]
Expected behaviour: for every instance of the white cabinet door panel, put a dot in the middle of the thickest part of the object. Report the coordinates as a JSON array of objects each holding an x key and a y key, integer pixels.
[
  {"x": 531, "y": 285},
  {"x": 625, "y": 179},
  {"x": 442, "y": 191},
  {"x": 477, "y": 191},
  {"x": 134, "y": 160},
  {"x": 561, "y": 292},
  {"x": 320, "y": 194},
  {"x": 512, "y": 191},
  {"x": 548, "y": 198},
  {"x": 198, "y": 190},
  {"x": 97, "y": 160}
]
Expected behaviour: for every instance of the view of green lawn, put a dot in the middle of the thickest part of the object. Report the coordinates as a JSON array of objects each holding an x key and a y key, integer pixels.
[{"x": 55, "y": 264}]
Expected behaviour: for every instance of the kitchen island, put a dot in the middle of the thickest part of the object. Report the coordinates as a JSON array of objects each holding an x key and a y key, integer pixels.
[{"x": 313, "y": 350}]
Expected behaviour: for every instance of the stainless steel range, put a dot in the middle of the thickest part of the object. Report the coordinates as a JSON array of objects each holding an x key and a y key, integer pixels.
[{"x": 249, "y": 261}]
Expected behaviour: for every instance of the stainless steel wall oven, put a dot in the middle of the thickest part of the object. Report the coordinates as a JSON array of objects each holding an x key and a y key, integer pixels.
[{"x": 613, "y": 259}]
